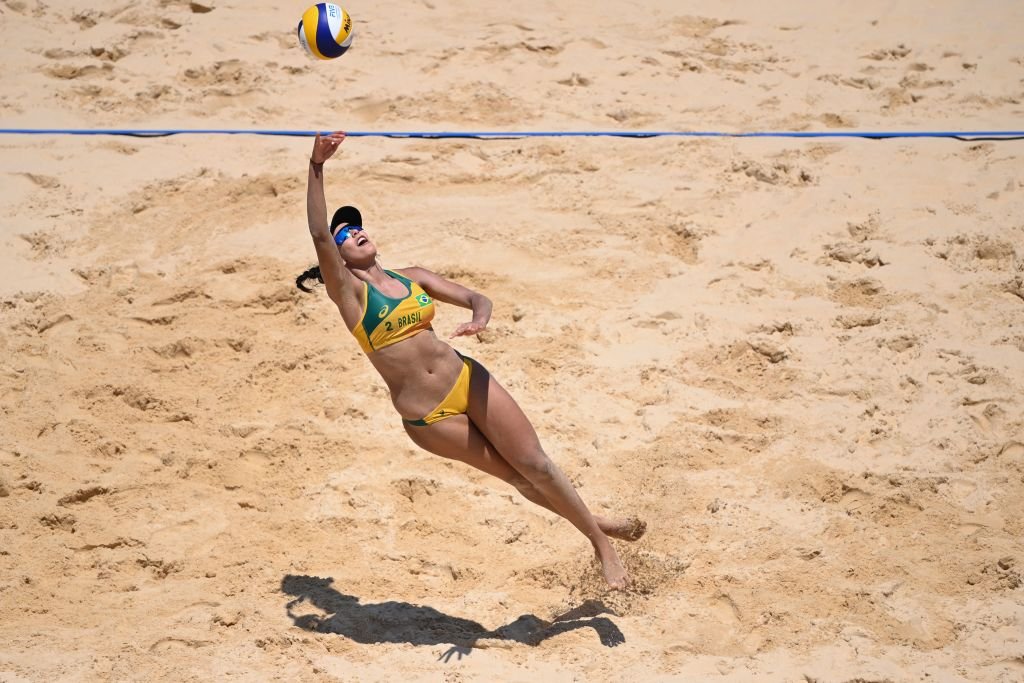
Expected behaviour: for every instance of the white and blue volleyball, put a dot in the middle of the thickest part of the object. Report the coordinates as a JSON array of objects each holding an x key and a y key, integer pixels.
[{"x": 325, "y": 31}]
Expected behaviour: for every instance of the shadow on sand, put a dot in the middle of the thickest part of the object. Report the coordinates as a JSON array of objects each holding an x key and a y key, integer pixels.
[{"x": 401, "y": 622}]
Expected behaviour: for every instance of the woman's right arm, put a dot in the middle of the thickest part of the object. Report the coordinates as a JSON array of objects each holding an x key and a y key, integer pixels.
[{"x": 336, "y": 277}]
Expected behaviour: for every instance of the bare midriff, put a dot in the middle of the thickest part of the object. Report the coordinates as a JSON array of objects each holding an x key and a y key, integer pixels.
[{"x": 419, "y": 372}]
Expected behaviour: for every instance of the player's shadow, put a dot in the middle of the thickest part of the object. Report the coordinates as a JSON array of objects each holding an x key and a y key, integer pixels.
[{"x": 402, "y": 622}]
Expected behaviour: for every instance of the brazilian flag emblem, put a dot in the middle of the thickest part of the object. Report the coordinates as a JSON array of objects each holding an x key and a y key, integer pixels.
[{"x": 423, "y": 300}]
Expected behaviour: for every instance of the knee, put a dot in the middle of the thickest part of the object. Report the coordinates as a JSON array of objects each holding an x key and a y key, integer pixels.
[
  {"x": 537, "y": 469},
  {"x": 521, "y": 484}
]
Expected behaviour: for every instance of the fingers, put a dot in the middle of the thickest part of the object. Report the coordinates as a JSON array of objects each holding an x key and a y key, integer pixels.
[
  {"x": 325, "y": 147},
  {"x": 333, "y": 140},
  {"x": 337, "y": 137},
  {"x": 466, "y": 329}
]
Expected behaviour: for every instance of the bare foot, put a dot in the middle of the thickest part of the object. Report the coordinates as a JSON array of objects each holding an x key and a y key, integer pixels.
[
  {"x": 612, "y": 569},
  {"x": 622, "y": 528}
]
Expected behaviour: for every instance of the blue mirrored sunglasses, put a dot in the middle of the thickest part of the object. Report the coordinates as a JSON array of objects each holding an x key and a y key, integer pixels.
[{"x": 346, "y": 232}]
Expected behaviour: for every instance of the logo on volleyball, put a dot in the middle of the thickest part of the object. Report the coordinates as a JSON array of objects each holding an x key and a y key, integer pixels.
[
  {"x": 423, "y": 300},
  {"x": 383, "y": 311}
]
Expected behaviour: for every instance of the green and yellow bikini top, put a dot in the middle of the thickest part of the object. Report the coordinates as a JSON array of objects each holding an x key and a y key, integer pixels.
[{"x": 387, "y": 320}]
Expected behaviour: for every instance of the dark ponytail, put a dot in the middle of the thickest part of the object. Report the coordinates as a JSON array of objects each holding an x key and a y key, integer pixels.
[{"x": 311, "y": 274}]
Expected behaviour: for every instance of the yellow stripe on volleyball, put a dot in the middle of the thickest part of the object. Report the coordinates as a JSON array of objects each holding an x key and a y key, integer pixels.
[{"x": 310, "y": 21}]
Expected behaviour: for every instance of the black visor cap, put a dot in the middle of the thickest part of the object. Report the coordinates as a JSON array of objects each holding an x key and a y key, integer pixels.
[{"x": 347, "y": 214}]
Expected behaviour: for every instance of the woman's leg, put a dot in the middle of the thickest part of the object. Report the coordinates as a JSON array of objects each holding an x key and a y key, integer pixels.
[
  {"x": 457, "y": 438},
  {"x": 500, "y": 419}
]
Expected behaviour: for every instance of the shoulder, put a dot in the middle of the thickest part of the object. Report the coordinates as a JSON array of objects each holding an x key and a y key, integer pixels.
[
  {"x": 415, "y": 273},
  {"x": 430, "y": 282}
]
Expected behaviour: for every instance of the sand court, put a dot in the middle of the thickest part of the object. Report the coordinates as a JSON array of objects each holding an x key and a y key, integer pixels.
[{"x": 800, "y": 361}]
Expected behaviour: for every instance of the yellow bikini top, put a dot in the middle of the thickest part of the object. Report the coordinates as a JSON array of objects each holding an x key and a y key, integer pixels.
[{"x": 387, "y": 320}]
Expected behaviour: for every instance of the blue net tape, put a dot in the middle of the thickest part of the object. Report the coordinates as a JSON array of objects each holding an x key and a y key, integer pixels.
[{"x": 512, "y": 135}]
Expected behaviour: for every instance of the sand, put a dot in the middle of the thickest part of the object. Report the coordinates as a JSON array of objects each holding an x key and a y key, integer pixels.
[{"x": 800, "y": 361}]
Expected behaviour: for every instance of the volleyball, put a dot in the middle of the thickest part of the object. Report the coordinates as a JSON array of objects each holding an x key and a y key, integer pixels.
[{"x": 325, "y": 30}]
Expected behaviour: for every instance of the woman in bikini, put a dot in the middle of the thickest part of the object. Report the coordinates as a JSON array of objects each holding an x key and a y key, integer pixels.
[{"x": 450, "y": 405}]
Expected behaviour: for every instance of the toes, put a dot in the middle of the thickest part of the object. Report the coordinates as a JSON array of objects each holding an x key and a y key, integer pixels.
[
  {"x": 619, "y": 584},
  {"x": 637, "y": 528}
]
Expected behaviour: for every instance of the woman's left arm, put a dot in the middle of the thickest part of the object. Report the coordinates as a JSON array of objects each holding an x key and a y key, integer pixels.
[{"x": 454, "y": 293}]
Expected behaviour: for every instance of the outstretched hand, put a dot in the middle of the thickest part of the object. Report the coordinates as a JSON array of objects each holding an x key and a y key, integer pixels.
[
  {"x": 467, "y": 329},
  {"x": 324, "y": 148}
]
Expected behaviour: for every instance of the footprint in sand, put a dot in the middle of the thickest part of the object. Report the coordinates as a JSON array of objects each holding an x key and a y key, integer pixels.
[
  {"x": 777, "y": 173},
  {"x": 59, "y": 522},
  {"x": 725, "y": 611},
  {"x": 916, "y": 81},
  {"x": 962, "y": 488},
  {"x": 69, "y": 72},
  {"x": 889, "y": 54},
  {"x": 1012, "y": 450},
  {"x": 966, "y": 495},
  {"x": 989, "y": 419},
  {"x": 853, "y": 500},
  {"x": 847, "y": 252},
  {"x": 854, "y": 320},
  {"x": 166, "y": 644},
  {"x": 837, "y": 121},
  {"x": 199, "y": 613},
  {"x": 866, "y": 229},
  {"x": 415, "y": 488},
  {"x": 82, "y": 495},
  {"x": 865, "y": 291}
]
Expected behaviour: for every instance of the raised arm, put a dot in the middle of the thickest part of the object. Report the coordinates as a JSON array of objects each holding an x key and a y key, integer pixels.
[
  {"x": 454, "y": 293},
  {"x": 332, "y": 267}
]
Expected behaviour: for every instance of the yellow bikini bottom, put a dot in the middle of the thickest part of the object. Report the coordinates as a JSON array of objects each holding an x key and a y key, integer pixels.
[{"x": 455, "y": 403}]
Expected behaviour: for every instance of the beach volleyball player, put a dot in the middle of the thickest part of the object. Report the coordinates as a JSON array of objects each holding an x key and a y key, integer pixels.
[{"x": 450, "y": 405}]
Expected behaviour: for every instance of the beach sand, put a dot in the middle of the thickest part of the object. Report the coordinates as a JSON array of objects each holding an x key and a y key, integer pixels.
[{"x": 801, "y": 361}]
